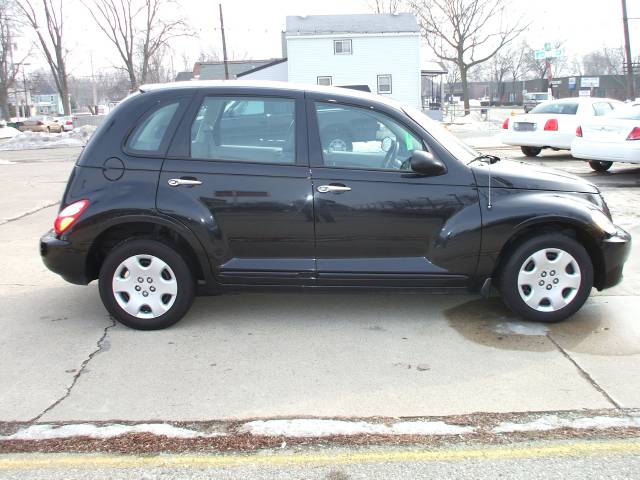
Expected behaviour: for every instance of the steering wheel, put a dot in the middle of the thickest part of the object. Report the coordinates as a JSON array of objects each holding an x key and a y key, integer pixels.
[{"x": 390, "y": 157}]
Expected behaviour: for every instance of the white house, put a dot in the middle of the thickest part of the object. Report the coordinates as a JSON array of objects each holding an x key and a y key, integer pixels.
[{"x": 381, "y": 51}]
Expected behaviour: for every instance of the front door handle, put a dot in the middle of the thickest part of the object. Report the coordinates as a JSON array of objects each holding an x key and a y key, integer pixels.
[
  {"x": 333, "y": 188},
  {"x": 175, "y": 182}
]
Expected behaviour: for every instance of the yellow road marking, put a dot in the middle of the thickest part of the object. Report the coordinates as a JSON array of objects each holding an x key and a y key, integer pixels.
[{"x": 61, "y": 461}]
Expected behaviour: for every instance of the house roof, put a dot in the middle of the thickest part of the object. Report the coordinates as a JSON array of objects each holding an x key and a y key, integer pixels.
[
  {"x": 215, "y": 70},
  {"x": 358, "y": 23},
  {"x": 433, "y": 67},
  {"x": 277, "y": 61},
  {"x": 183, "y": 76}
]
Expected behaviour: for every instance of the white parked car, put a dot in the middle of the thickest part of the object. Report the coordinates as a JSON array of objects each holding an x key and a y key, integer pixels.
[
  {"x": 553, "y": 123},
  {"x": 614, "y": 137},
  {"x": 67, "y": 123}
]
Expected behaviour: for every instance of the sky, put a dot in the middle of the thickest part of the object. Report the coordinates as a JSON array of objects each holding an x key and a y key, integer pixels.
[{"x": 253, "y": 28}]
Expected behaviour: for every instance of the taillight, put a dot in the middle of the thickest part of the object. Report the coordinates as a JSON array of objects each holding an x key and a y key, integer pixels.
[
  {"x": 505, "y": 125},
  {"x": 68, "y": 215},
  {"x": 579, "y": 131},
  {"x": 552, "y": 124},
  {"x": 635, "y": 134},
  {"x": 69, "y": 122}
]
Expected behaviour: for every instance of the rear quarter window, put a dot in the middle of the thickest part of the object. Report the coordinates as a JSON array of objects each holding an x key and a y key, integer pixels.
[{"x": 150, "y": 133}]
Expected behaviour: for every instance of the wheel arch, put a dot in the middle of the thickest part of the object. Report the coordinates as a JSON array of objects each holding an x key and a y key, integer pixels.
[
  {"x": 572, "y": 229},
  {"x": 159, "y": 228}
]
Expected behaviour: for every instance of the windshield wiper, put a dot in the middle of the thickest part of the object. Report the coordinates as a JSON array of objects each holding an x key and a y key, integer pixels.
[{"x": 490, "y": 158}]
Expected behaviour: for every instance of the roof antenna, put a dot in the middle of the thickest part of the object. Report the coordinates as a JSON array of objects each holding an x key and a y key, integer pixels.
[{"x": 489, "y": 203}]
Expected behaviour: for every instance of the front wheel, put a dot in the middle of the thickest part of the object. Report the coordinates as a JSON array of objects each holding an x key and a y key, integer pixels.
[
  {"x": 600, "y": 166},
  {"x": 547, "y": 278},
  {"x": 531, "y": 151},
  {"x": 146, "y": 284}
]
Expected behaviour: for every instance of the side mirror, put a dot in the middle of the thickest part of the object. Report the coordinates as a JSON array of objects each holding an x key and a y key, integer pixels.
[{"x": 425, "y": 163}]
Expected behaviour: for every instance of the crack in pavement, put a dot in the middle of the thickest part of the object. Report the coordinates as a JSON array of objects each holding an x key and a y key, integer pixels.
[
  {"x": 30, "y": 212},
  {"x": 76, "y": 377},
  {"x": 586, "y": 375}
]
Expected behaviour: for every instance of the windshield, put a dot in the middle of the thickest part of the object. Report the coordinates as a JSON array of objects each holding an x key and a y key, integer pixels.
[
  {"x": 556, "y": 108},
  {"x": 625, "y": 113},
  {"x": 456, "y": 147},
  {"x": 537, "y": 96}
]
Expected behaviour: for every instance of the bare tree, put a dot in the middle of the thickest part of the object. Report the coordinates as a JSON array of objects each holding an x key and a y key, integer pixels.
[
  {"x": 500, "y": 67},
  {"x": 139, "y": 29},
  {"x": 8, "y": 69},
  {"x": 466, "y": 32},
  {"x": 608, "y": 61},
  {"x": 50, "y": 39},
  {"x": 385, "y": 6},
  {"x": 518, "y": 67}
]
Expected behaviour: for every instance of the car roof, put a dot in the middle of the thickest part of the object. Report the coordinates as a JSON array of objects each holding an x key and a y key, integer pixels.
[{"x": 268, "y": 84}]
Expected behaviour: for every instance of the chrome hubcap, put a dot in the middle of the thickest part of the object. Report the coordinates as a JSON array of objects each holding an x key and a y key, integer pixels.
[
  {"x": 144, "y": 286},
  {"x": 549, "y": 280}
]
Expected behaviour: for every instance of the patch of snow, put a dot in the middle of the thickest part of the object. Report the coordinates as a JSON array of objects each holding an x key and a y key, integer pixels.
[
  {"x": 77, "y": 137},
  {"x": 522, "y": 328},
  {"x": 6, "y": 162},
  {"x": 553, "y": 422},
  {"x": 8, "y": 132},
  {"x": 46, "y": 432},
  {"x": 325, "y": 428}
]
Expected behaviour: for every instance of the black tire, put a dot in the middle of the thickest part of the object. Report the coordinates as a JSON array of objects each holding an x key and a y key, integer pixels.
[
  {"x": 531, "y": 151},
  {"x": 508, "y": 282},
  {"x": 183, "y": 276},
  {"x": 599, "y": 166}
]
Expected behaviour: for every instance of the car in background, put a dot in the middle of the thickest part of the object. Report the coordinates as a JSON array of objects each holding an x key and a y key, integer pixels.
[
  {"x": 41, "y": 123},
  {"x": 533, "y": 99},
  {"x": 67, "y": 123},
  {"x": 614, "y": 137},
  {"x": 553, "y": 124}
]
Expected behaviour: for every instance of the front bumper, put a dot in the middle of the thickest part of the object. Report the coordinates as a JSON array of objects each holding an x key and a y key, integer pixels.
[
  {"x": 615, "y": 250},
  {"x": 62, "y": 257}
]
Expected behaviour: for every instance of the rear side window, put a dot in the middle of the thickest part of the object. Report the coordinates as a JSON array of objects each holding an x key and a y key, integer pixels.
[
  {"x": 560, "y": 108},
  {"x": 148, "y": 136},
  {"x": 245, "y": 129},
  {"x": 602, "y": 108}
]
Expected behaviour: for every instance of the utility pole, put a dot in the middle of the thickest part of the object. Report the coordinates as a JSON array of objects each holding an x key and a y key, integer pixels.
[
  {"x": 26, "y": 98},
  {"x": 627, "y": 48},
  {"x": 94, "y": 107},
  {"x": 224, "y": 45}
]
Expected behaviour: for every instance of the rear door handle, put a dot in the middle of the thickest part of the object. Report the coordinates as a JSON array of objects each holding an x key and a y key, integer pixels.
[
  {"x": 333, "y": 188},
  {"x": 175, "y": 182}
]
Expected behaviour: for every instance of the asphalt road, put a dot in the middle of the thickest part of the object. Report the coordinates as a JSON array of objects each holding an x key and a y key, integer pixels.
[
  {"x": 610, "y": 460},
  {"x": 330, "y": 355}
]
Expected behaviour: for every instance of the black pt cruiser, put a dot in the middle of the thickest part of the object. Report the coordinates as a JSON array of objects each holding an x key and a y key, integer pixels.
[{"x": 197, "y": 188}]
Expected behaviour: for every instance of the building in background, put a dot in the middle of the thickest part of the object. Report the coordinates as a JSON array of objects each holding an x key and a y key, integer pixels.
[
  {"x": 47, "y": 104},
  {"x": 381, "y": 51},
  {"x": 215, "y": 70}
]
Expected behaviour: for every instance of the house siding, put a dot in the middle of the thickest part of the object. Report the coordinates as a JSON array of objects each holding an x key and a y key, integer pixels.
[{"x": 374, "y": 54}]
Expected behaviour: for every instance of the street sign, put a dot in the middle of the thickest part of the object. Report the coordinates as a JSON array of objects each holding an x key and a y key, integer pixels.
[
  {"x": 590, "y": 82},
  {"x": 572, "y": 83},
  {"x": 555, "y": 83},
  {"x": 547, "y": 46},
  {"x": 552, "y": 53},
  {"x": 584, "y": 93}
]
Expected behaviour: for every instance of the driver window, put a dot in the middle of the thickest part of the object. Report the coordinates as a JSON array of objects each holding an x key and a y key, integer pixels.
[{"x": 353, "y": 137}]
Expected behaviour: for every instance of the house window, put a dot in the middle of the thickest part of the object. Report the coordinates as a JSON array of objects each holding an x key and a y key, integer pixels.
[
  {"x": 324, "y": 81},
  {"x": 342, "y": 47},
  {"x": 384, "y": 83}
]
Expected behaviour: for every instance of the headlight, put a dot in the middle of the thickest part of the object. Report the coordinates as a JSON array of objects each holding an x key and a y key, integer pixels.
[{"x": 602, "y": 221}]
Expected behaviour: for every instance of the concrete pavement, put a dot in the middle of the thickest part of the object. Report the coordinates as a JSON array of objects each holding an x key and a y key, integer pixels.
[{"x": 265, "y": 355}]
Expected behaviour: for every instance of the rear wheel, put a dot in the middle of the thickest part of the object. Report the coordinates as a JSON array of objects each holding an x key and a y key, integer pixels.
[
  {"x": 531, "y": 151},
  {"x": 146, "y": 284},
  {"x": 599, "y": 166},
  {"x": 547, "y": 278}
]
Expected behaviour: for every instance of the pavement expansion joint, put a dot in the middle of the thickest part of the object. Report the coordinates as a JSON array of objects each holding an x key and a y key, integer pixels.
[
  {"x": 76, "y": 377},
  {"x": 585, "y": 374},
  {"x": 30, "y": 212}
]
